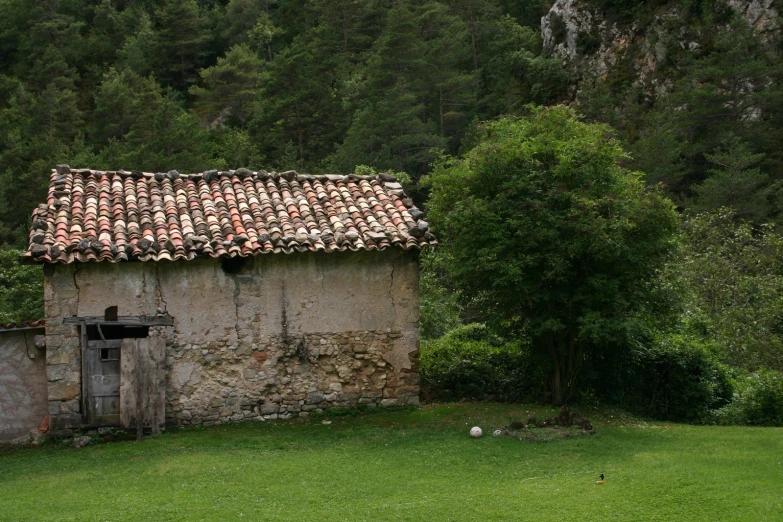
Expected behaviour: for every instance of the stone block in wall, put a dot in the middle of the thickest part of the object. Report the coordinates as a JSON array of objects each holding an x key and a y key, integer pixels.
[
  {"x": 412, "y": 379},
  {"x": 61, "y": 354},
  {"x": 53, "y": 342},
  {"x": 65, "y": 421},
  {"x": 60, "y": 433},
  {"x": 57, "y": 328},
  {"x": 268, "y": 409},
  {"x": 406, "y": 391},
  {"x": 57, "y": 407},
  {"x": 315, "y": 397},
  {"x": 57, "y": 372},
  {"x": 64, "y": 390},
  {"x": 71, "y": 406}
]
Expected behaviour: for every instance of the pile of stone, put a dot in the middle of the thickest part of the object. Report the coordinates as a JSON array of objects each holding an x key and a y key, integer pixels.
[
  {"x": 565, "y": 419},
  {"x": 565, "y": 425}
]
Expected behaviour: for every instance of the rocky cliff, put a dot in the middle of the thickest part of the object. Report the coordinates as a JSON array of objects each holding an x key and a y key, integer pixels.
[{"x": 597, "y": 42}]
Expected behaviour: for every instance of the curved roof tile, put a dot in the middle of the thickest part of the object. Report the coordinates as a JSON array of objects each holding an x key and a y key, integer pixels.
[
  {"x": 94, "y": 215},
  {"x": 27, "y": 325}
]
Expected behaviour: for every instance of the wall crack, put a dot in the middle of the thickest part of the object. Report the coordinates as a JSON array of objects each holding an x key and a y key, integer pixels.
[
  {"x": 391, "y": 287},
  {"x": 159, "y": 291},
  {"x": 236, "y": 303},
  {"x": 75, "y": 284}
]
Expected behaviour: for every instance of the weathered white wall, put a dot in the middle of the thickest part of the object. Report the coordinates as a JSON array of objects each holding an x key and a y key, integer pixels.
[
  {"x": 23, "y": 388},
  {"x": 239, "y": 327}
]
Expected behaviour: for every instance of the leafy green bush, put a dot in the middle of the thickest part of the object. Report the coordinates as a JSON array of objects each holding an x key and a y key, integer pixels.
[
  {"x": 21, "y": 289},
  {"x": 731, "y": 275},
  {"x": 559, "y": 28},
  {"x": 439, "y": 307},
  {"x": 588, "y": 42},
  {"x": 625, "y": 10},
  {"x": 471, "y": 363},
  {"x": 673, "y": 378},
  {"x": 758, "y": 400}
]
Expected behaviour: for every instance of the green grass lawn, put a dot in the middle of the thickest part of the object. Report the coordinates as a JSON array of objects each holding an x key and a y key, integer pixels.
[{"x": 413, "y": 465}]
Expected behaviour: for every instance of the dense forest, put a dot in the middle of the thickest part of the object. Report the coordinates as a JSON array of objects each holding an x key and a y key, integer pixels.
[
  {"x": 317, "y": 86},
  {"x": 691, "y": 91},
  {"x": 323, "y": 86}
]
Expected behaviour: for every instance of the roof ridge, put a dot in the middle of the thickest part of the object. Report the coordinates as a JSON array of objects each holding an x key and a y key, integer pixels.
[{"x": 240, "y": 172}]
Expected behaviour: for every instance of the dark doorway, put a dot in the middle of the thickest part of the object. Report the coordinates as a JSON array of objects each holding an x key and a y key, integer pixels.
[{"x": 102, "y": 370}]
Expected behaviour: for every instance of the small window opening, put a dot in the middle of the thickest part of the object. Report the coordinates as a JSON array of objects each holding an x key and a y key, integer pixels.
[
  {"x": 236, "y": 265},
  {"x": 113, "y": 331},
  {"x": 110, "y": 354}
]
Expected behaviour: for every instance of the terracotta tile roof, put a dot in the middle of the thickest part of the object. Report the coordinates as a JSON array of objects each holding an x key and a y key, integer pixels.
[
  {"x": 92, "y": 215},
  {"x": 40, "y": 323}
]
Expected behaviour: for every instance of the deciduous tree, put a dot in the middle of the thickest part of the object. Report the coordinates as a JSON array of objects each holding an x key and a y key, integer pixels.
[{"x": 551, "y": 236}]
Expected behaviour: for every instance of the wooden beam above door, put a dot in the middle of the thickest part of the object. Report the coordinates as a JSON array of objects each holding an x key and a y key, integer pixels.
[{"x": 143, "y": 320}]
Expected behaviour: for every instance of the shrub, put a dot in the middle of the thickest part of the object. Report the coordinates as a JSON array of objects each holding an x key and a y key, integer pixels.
[
  {"x": 588, "y": 42},
  {"x": 559, "y": 28},
  {"x": 21, "y": 289},
  {"x": 674, "y": 378},
  {"x": 439, "y": 307},
  {"x": 471, "y": 363},
  {"x": 758, "y": 400},
  {"x": 731, "y": 274}
]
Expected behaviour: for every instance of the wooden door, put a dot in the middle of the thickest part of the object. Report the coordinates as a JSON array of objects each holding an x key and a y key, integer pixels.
[
  {"x": 143, "y": 384},
  {"x": 103, "y": 382}
]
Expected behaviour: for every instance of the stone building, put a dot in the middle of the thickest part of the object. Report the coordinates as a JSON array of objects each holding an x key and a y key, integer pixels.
[
  {"x": 225, "y": 296},
  {"x": 23, "y": 387}
]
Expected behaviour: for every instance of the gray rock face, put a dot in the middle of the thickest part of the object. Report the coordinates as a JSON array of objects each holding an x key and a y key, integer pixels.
[
  {"x": 569, "y": 20},
  {"x": 761, "y": 14}
]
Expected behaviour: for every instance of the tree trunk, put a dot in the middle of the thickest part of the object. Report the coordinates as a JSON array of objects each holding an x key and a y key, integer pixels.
[
  {"x": 300, "y": 135},
  {"x": 473, "y": 41},
  {"x": 557, "y": 388},
  {"x": 556, "y": 379},
  {"x": 345, "y": 31},
  {"x": 440, "y": 110},
  {"x": 566, "y": 356}
]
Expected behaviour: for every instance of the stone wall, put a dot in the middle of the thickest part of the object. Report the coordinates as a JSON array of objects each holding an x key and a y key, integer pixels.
[
  {"x": 22, "y": 386},
  {"x": 286, "y": 335}
]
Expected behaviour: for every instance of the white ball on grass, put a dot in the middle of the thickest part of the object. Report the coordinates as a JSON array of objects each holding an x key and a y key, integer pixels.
[{"x": 476, "y": 432}]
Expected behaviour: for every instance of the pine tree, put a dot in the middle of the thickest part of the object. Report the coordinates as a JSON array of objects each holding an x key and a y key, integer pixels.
[
  {"x": 729, "y": 97},
  {"x": 737, "y": 182},
  {"x": 229, "y": 87},
  {"x": 300, "y": 113},
  {"x": 122, "y": 100},
  {"x": 241, "y": 16},
  {"x": 418, "y": 77},
  {"x": 182, "y": 39},
  {"x": 138, "y": 51}
]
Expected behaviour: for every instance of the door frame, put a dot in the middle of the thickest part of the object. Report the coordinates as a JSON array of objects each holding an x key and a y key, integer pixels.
[{"x": 83, "y": 323}]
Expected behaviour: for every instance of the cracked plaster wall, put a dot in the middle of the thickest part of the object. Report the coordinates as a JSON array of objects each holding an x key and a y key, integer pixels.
[
  {"x": 286, "y": 335},
  {"x": 22, "y": 386}
]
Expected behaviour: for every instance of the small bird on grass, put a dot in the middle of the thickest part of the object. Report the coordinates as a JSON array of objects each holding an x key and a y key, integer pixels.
[{"x": 601, "y": 481}]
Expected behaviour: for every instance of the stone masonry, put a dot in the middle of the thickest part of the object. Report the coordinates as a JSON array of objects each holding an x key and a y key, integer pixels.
[
  {"x": 285, "y": 335},
  {"x": 214, "y": 383}
]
